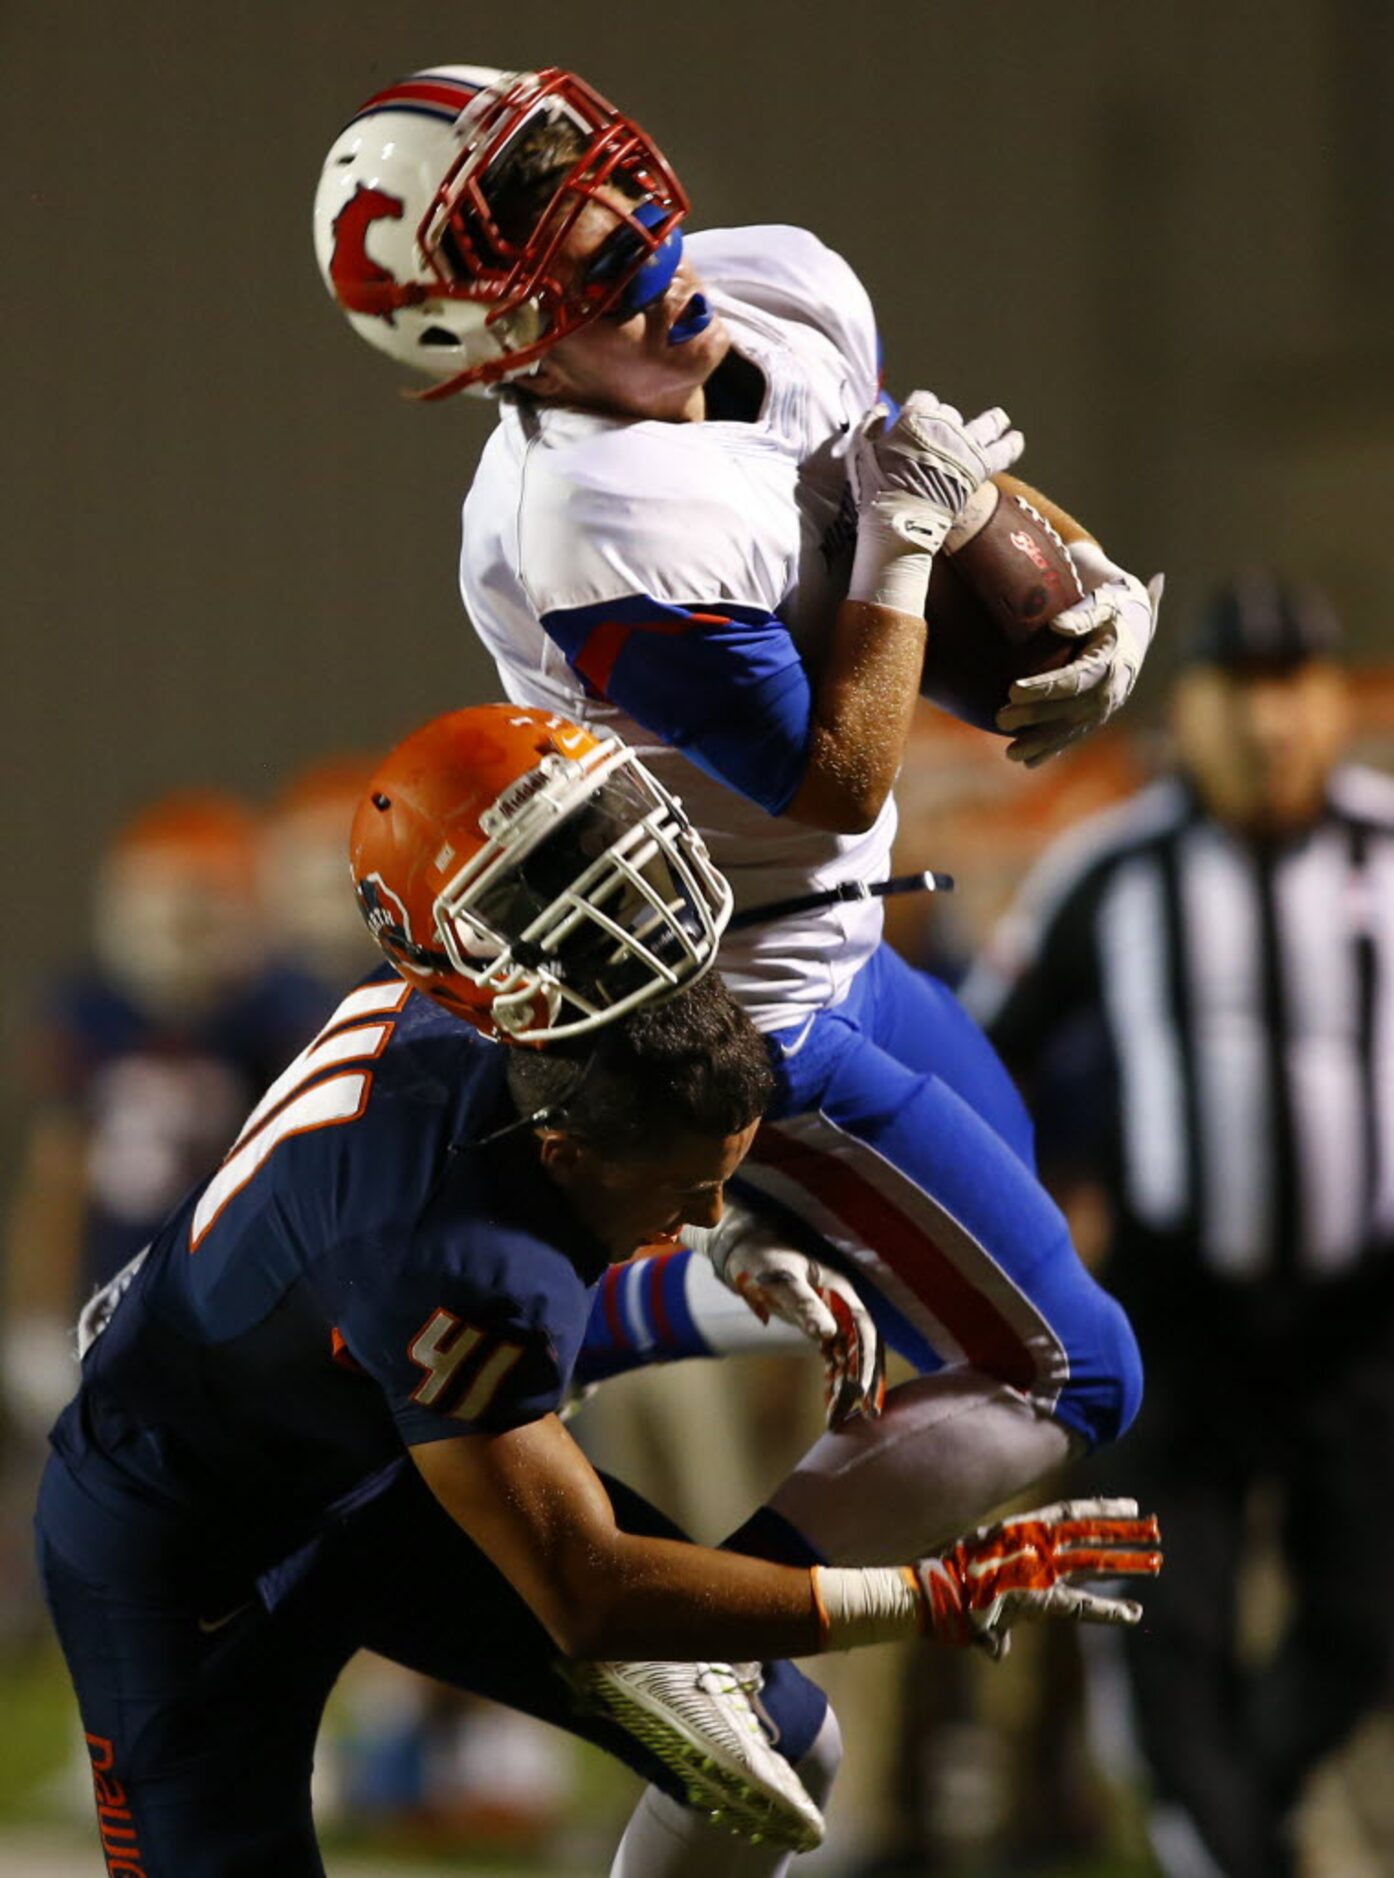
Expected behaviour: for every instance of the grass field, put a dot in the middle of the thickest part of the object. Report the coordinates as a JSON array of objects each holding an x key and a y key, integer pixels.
[
  {"x": 29, "y": 1853},
  {"x": 45, "y": 1802},
  {"x": 44, "y": 1831}
]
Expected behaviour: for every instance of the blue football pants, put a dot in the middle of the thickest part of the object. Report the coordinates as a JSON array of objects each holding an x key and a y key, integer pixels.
[{"x": 899, "y": 1142}]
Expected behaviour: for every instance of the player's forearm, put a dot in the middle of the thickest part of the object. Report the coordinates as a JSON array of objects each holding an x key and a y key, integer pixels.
[
  {"x": 683, "y": 1601},
  {"x": 862, "y": 710},
  {"x": 536, "y": 1508},
  {"x": 910, "y": 479},
  {"x": 532, "y": 1503},
  {"x": 666, "y": 1599}
]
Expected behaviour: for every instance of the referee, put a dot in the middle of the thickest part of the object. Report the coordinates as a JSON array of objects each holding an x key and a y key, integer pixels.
[{"x": 1221, "y": 949}]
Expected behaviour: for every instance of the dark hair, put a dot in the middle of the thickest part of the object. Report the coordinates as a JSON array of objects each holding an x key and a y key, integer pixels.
[
  {"x": 525, "y": 178},
  {"x": 693, "y": 1064}
]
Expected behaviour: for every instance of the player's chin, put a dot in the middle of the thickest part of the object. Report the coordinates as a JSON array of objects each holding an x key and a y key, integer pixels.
[
  {"x": 714, "y": 344},
  {"x": 656, "y": 1237},
  {"x": 695, "y": 359}
]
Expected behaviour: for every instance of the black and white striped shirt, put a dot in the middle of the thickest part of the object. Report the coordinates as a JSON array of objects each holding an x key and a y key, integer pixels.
[{"x": 1247, "y": 992}]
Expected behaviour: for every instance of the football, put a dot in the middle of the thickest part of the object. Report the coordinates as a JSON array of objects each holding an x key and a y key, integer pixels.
[{"x": 1002, "y": 575}]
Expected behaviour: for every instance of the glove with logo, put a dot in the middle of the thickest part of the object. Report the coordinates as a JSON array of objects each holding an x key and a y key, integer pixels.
[
  {"x": 776, "y": 1281},
  {"x": 1114, "y": 628},
  {"x": 1026, "y": 1567},
  {"x": 910, "y": 480},
  {"x": 1021, "y": 1568}
]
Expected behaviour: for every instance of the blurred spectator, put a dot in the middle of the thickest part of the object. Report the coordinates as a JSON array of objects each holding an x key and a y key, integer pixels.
[
  {"x": 1229, "y": 935},
  {"x": 310, "y": 910},
  {"x": 141, "y": 1065}
]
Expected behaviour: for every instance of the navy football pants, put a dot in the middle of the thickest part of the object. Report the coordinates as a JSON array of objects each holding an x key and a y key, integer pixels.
[{"x": 201, "y": 1723}]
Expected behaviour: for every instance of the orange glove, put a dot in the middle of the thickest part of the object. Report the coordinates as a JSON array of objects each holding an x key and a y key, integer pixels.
[
  {"x": 776, "y": 1281},
  {"x": 1025, "y": 1567}
]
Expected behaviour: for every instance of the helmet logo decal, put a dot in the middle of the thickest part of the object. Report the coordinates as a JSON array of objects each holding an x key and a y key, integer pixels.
[
  {"x": 390, "y": 924},
  {"x": 360, "y": 283}
]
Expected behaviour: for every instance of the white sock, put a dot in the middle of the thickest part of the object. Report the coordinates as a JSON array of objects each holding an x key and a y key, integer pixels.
[
  {"x": 946, "y": 1450},
  {"x": 666, "y": 1840}
]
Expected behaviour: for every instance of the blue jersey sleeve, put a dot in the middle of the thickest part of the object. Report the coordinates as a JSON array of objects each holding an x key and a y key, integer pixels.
[
  {"x": 468, "y": 1311},
  {"x": 466, "y": 1321},
  {"x": 450, "y": 1360},
  {"x": 724, "y": 685}
]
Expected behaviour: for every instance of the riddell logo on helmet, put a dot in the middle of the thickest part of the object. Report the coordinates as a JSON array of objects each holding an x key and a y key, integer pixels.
[
  {"x": 362, "y": 285},
  {"x": 518, "y": 794}
]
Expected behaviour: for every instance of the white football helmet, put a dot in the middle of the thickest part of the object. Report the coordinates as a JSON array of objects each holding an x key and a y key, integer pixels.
[{"x": 409, "y": 245}]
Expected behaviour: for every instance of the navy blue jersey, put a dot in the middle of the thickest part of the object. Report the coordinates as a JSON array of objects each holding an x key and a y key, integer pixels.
[
  {"x": 158, "y": 1098},
  {"x": 360, "y": 1273}
]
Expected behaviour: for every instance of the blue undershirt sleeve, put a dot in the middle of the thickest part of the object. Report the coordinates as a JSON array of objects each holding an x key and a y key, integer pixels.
[{"x": 723, "y": 684}]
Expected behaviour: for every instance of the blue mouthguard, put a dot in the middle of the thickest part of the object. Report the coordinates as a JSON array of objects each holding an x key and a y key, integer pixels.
[
  {"x": 652, "y": 280},
  {"x": 695, "y": 318}
]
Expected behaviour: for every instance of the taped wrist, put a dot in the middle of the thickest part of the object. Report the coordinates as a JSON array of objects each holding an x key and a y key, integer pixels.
[
  {"x": 897, "y": 538},
  {"x": 873, "y": 1604},
  {"x": 718, "y": 1243}
]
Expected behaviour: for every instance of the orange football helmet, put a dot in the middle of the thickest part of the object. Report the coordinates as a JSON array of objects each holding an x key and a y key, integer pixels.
[
  {"x": 534, "y": 879},
  {"x": 174, "y": 913}
]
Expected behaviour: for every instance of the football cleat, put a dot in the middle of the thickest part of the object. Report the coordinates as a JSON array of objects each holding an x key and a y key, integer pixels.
[{"x": 700, "y": 1721}]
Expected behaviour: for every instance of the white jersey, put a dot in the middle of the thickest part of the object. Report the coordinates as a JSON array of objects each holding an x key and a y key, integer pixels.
[{"x": 578, "y": 517}]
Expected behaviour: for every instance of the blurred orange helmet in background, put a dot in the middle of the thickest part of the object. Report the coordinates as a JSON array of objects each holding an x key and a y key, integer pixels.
[
  {"x": 175, "y": 910},
  {"x": 309, "y": 911}
]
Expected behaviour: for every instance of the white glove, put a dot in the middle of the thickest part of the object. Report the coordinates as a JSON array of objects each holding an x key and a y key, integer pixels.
[
  {"x": 775, "y": 1281},
  {"x": 910, "y": 482},
  {"x": 1114, "y": 627}
]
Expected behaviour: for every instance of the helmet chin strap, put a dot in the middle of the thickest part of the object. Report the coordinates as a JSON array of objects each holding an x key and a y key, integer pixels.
[{"x": 546, "y": 1117}]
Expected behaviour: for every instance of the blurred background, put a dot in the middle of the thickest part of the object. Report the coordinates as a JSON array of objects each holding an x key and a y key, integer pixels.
[{"x": 1163, "y": 238}]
